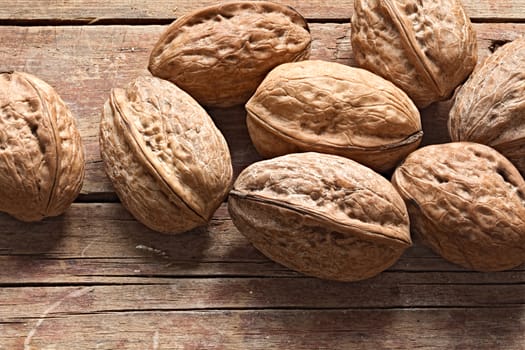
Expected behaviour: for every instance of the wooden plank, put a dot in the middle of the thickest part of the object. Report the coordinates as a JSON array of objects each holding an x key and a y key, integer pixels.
[
  {"x": 92, "y": 11},
  {"x": 391, "y": 290},
  {"x": 83, "y": 63},
  {"x": 502, "y": 328},
  {"x": 102, "y": 243}
]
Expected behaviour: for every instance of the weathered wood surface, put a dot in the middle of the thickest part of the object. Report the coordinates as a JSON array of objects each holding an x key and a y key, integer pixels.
[
  {"x": 95, "y": 11},
  {"x": 96, "y": 265},
  {"x": 462, "y": 329},
  {"x": 84, "y": 62},
  {"x": 95, "y": 278}
]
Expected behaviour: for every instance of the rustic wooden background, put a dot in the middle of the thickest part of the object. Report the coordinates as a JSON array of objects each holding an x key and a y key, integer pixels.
[{"x": 94, "y": 278}]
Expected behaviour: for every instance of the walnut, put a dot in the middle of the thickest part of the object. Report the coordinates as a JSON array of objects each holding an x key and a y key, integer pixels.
[
  {"x": 467, "y": 202},
  {"x": 490, "y": 107},
  {"x": 169, "y": 164},
  {"x": 427, "y": 48},
  {"x": 220, "y": 54},
  {"x": 333, "y": 108},
  {"x": 322, "y": 215},
  {"x": 41, "y": 155}
]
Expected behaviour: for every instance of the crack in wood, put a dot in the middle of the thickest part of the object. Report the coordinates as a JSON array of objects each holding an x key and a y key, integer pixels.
[{"x": 273, "y": 309}]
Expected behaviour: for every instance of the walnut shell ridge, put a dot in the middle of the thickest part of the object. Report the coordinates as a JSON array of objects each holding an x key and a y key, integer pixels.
[
  {"x": 427, "y": 47},
  {"x": 169, "y": 164},
  {"x": 490, "y": 107},
  {"x": 41, "y": 154},
  {"x": 332, "y": 108},
  {"x": 467, "y": 202},
  {"x": 322, "y": 215},
  {"x": 221, "y": 53}
]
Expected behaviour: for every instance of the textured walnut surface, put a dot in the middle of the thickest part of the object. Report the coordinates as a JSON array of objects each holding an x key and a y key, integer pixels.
[
  {"x": 41, "y": 155},
  {"x": 467, "y": 202},
  {"x": 490, "y": 107},
  {"x": 322, "y": 215},
  {"x": 168, "y": 162},
  {"x": 221, "y": 53},
  {"x": 426, "y": 47},
  {"x": 333, "y": 108}
]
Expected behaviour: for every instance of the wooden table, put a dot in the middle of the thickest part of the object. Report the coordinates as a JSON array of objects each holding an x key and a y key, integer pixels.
[{"x": 94, "y": 278}]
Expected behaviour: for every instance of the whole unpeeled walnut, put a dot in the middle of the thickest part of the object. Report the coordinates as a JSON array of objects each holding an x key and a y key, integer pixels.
[
  {"x": 41, "y": 155},
  {"x": 467, "y": 202},
  {"x": 427, "y": 48},
  {"x": 333, "y": 108},
  {"x": 169, "y": 164},
  {"x": 221, "y": 53},
  {"x": 323, "y": 215},
  {"x": 490, "y": 107}
]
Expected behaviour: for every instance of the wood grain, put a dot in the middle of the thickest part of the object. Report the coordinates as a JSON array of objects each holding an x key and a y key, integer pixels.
[
  {"x": 449, "y": 328},
  {"x": 262, "y": 293},
  {"x": 93, "y": 11},
  {"x": 83, "y": 63}
]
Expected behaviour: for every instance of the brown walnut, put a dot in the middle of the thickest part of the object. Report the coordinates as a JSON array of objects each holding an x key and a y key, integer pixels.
[
  {"x": 467, "y": 202},
  {"x": 322, "y": 215},
  {"x": 333, "y": 108},
  {"x": 41, "y": 155},
  {"x": 169, "y": 164},
  {"x": 490, "y": 107},
  {"x": 220, "y": 54},
  {"x": 427, "y": 47}
]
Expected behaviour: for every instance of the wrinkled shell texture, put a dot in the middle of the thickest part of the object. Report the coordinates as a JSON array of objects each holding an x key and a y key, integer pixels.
[
  {"x": 220, "y": 54},
  {"x": 467, "y": 202},
  {"x": 41, "y": 155},
  {"x": 333, "y": 108},
  {"x": 490, "y": 107},
  {"x": 322, "y": 215},
  {"x": 426, "y": 47},
  {"x": 169, "y": 164}
]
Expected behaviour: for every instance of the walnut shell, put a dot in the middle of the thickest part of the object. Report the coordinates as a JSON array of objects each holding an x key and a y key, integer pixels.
[
  {"x": 490, "y": 107},
  {"x": 427, "y": 48},
  {"x": 322, "y": 215},
  {"x": 220, "y": 54},
  {"x": 467, "y": 202},
  {"x": 333, "y": 108},
  {"x": 41, "y": 154},
  {"x": 169, "y": 164}
]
